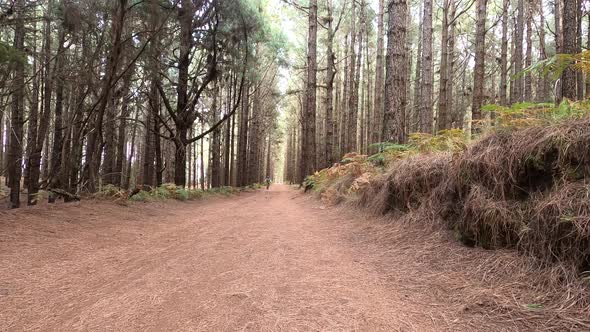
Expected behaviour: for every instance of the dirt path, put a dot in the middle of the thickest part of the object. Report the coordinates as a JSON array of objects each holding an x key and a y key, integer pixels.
[{"x": 265, "y": 261}]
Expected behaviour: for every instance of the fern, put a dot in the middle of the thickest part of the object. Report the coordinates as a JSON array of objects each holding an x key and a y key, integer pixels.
[{"x": 522, "y": 115}]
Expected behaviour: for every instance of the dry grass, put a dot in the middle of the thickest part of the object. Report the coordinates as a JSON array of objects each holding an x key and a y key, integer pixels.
[
  {"x": 489, "y": 222},
  {"x": 559, "y": 226},
  {"x": 406, "y": 184},
  {"x": 485, "y": 290},
  {"x": 524, "y": 189}
]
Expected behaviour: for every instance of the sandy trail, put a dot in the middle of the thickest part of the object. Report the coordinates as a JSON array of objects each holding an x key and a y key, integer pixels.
[{"x": 265, "y": 261}]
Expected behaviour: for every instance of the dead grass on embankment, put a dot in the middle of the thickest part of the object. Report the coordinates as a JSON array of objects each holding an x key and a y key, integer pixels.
[{"x": 524, "y": 191}]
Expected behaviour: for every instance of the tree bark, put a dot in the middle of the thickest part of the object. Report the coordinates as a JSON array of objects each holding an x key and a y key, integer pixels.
[
  {"x": 94, "y": 147},
  {"x": 243, "y": 138},
  {"x": 426, "y": 86},
  {"x": 528, "y": 79},
  {"x": 444, "y": 118},
  {"x": 216, "y": 141},
  {"x": 454, "y": 123},
  {"x": 558, "y": 15},
  {"x": 415, "y": 116},
  {"x": 517, "y": 91},
  {"x": 504, "y": 55},
  {"x": 377, "y": 127},
  {"x": 33, "y": 122},
  {"x": 588, "y": 47},
  {"x": 308, "y": 162},
  {"x": 58, "y": 128},
  {"x": 344, "y": 107},
  {"x": 569, "y": 77},
  {"x": 15, "y": 148},
  {"x": 329, "y": 99},
  {"x": 395, "y": 75},
  {"x": 479, "y": 70},
  {"x": 353, "y": 95}
]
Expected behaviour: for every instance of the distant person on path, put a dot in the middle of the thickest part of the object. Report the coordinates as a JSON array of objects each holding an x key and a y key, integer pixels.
[{"x": 267, "y": 181}]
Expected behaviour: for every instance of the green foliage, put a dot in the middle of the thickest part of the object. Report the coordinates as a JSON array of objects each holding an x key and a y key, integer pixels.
[
  {"x": 451, "y": 140},
  {"x": 522, "y": 115},
  {"x": 171, "y": 191},
  {"x": 182, "y": 194},
  {"x": 161, "y": 192},
  {"x": 142, "y": 196},
  {"x": 9, "y": 55},
  {"x": 554, "y": 66},
  {"x": 312, "y": 181},
  {"x": 195, "y": 194},
  {"x": 109, "y": 191}
]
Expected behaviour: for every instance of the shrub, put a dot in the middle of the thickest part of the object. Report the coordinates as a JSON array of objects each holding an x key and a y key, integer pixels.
[
  {"x": 110, "y": 191},
  {"x": 160, "y": 193},
  {"x": 522, "y": 185},
  {"x": 142, "y": 196},
  {"x": 195, "y": 194},
  {"x": 182, "y": 194},
  {"x": 407, "y": 184}
]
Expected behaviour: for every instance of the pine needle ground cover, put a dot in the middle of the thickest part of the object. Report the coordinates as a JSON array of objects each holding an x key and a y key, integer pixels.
[{"x": 523, "y": 184}]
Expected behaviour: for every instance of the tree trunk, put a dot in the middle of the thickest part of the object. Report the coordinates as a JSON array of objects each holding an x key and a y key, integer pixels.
[
  {"x": 587, "y": 76},
  {"x": 308, "y": 162},
  {"x": 227, "y": 142},
  {"x": 180, "y": 157},
  {"x": 243, "y": 138},
  {"x": 58, "y": 135},
  {"x": 415, "y": 125},
  {"x": 579, "y": 73},
  {"x": 517, "y": 91},
  {"x": 504, "y": 55},
  {"x": 202, "y": 159},
  {"x": 354, "y": 94},
  {"x": 479, "y": 70},
  {"x": 344, "y": 107},
  {"x": 443, "y": 118},
  {"x": 379, "y": 90},
  {"x": 95, "y": 140},
  {"x": 329, "y": 99},
  {"x": 451, "y": 70},
  {"x": 127, "y": 183},
  {"x": 426, "y": 89},
  {"x": 232, "y": 154},
  {"x": 15, "y": 148},
  {"x": 569, "y": 77},
  {"x": 216, "y": 141},
  {"x": 32, "y": 127},
  {"x": 353, "y": 85},
  {"x": 395, "y": 75},
  {"x": 558, "y": 15},
  {"x": 253, "y": 139},
  {"x": 122, "y": 132},
  {"x": 528, "y": 79},
  {"x": 185, "y": 18},
  {"x": 149, "y": 144}
]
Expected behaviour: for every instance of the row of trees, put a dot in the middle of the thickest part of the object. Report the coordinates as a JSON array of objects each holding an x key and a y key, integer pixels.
[
  {"x": 429, "y": 65},
  {"x": 131, "y": 92}
]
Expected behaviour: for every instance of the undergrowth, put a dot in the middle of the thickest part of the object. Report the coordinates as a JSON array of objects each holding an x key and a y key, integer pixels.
[
  {"x": 167, "y": 191},
  {"x": 523, "y": 184}
]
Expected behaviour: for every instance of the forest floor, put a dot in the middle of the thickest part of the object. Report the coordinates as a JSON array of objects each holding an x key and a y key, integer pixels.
[{"x": 265, "y": 261}]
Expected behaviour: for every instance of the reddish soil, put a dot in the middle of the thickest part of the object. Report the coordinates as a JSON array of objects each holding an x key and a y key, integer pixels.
[{"x": 265, "y": 261}]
